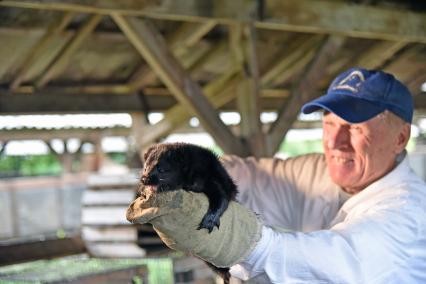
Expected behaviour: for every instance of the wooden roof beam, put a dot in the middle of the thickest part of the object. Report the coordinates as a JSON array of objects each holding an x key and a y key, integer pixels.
[
  {"x": 177, "y": 115},
  {"x": 325, "y": 17},
  {"x": 304, "y": 90},
  {"x": 53, "y": 30},
  {"x": 118, "y": 89},
  {"x": 186, "y": 36},
  {"x": 378, "y": 54},
  {"x": 63, "y": 58},
  {"x": 408, "y": 64},
  {"x": 291, "y": 61},
  {"x": 219, "y": 91},
  {"x": 151, "y": 46},
  {"x": 42, "y": 102}
]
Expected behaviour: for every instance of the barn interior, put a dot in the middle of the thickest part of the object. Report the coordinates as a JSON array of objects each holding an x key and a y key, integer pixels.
[{"x": 77, "y": 72}]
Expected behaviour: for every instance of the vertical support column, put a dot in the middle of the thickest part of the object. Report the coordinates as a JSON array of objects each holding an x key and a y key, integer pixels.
[{"x": 243, "y": 43}]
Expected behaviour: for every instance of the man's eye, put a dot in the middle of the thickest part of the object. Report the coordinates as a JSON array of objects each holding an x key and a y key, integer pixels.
[{"x": 328, "y": 123}]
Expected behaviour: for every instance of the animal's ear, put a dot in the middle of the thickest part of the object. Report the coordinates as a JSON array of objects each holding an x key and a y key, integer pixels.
[{"x": 148, "y": 152}]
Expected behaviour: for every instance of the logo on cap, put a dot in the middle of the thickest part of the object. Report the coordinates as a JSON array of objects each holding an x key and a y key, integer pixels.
[{"x": 352, "y": 82}]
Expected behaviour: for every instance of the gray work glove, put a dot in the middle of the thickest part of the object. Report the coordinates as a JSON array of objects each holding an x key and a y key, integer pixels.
[{"x": 175, "y": 216}]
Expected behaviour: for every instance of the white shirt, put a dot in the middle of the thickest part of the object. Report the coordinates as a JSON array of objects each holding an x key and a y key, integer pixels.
[{"x": 375, "y": 236}]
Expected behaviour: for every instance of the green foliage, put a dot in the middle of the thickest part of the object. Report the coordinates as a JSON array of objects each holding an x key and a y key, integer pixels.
[
  {"x": 118, "y": 157},
  {"x": 160, "y": 270},
  {"x": 296, "y": 148},
  {"x": 34, "y": 165}
]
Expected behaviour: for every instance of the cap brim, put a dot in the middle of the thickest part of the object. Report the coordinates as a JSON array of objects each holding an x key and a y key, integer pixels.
[{"x": 349, "y": 108}]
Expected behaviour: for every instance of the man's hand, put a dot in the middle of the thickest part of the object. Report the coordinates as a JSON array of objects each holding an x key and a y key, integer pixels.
[{"x": 175, "y": 216}]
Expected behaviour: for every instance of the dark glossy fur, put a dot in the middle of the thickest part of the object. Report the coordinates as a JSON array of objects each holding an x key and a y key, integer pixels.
[{"x": 171, "y": 166}]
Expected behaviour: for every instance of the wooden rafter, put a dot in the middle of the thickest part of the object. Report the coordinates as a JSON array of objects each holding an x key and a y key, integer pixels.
[
  {"x": 183, "y": 38},
  {"x": 62, "y": 59},
  {"x": 151, "y": 46},
  {"x": 177, "y": 115},
  {"x": 83, "y": 89},
  {"x": 43, "y": 102},
  {"x": 408, "y": 64},
  {"x": 303, "y": 91},
  {"x": 291, "y": 61},
  {"x": 219, "y": 91},
  {"x": 188, "y": 34},
  {"x": 377, "y": 55},
  {"x": 331, "y": 17},
  {"x": 53, "y": 30},
  {"x": 415, "y": 84}
]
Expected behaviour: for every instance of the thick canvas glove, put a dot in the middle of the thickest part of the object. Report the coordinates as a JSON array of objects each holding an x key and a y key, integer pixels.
[{"x": 175, "y": 216}]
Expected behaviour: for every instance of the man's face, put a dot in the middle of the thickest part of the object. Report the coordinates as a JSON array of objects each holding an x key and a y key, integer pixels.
[{"x": 359, "y": 154}]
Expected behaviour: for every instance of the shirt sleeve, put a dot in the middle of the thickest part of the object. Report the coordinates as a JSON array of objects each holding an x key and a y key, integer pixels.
[
  {"x": 295, "y": 193},
  {"x": 371, "y": 248}
]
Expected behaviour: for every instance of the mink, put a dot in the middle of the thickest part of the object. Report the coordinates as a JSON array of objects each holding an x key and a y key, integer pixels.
[{"x": 173, "y": 166}]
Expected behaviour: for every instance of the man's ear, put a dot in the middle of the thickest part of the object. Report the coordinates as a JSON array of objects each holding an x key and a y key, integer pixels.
[{"x": 403, "y": 137}]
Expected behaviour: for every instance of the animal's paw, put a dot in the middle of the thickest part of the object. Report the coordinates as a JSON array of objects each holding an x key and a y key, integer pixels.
[{"x": 208, "y": 222}]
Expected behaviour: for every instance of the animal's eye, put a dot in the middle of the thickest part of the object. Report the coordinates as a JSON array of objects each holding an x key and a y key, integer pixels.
[{"x": 161, "y": 169}]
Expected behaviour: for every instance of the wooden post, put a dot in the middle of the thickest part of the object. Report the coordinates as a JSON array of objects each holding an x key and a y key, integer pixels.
[{"x": 243, "y": 43}]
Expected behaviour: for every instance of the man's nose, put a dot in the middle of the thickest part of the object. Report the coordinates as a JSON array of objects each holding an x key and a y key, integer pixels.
[{"x": 339, "y": 138}]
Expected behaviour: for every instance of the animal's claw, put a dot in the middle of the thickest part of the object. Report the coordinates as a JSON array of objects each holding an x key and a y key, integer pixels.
[{"x": 209, "y": 222}]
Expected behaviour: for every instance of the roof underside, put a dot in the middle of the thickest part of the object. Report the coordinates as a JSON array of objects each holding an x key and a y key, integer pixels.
[{"x": 160, "y": 55}]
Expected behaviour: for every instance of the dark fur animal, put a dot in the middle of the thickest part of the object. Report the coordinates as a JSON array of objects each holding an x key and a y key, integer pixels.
[{"x": 171, "y": 166}]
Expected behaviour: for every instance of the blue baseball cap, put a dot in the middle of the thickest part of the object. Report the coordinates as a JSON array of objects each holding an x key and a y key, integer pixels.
[{"x": 358, "y": 95}]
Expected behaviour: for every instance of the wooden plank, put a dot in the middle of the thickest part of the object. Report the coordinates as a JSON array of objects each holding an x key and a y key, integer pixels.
[
  {"x": 32, "y": 250},
  {"x": 122, "y": 181},
  {"x": 345, "y": 19},
  {"x": 330, "y": 17},
  {"x": 122, "y": 275},
  {"x": 115, "y": 250},
  {"x": 303, "y": 91},
  {"x": 186, "y": 91},
  {"x": 62, "y": 59},
  {"x": 112, "y": 216},
  {"x": 108, "y": 197},
  {"x": 48, "y": 103},
  {"x": 109, "y": 234},
  {"x": 53, "y": 30},
  {"x": 149, "y": 241}
]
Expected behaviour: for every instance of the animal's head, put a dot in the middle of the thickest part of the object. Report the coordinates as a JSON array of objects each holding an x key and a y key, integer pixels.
[{"x": 162, "y": 167}]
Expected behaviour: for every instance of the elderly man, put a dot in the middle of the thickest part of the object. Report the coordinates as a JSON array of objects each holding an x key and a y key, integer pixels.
[{"x": 356, "y": 214}]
